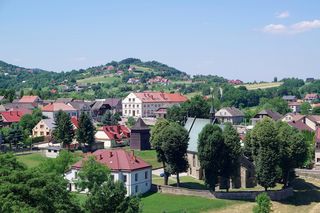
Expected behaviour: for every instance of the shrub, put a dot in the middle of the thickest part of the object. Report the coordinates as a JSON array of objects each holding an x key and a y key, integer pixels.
[{"x": 263, "y": 204}]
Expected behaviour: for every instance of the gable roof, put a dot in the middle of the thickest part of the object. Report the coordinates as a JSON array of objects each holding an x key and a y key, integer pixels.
[
  {"x": 80, "y": 105},
  {"x": 19, "y": 106},
  {"x": 117, "y": 132},
  {"x": 1, "y": 97},
  {"x": 49, "y": 122},
  {"x": 12, "y": 116},
  {"x": 274, "y": 115},
  {"x": 2, "y": 108},
  {"x": 75, "y": 122},
  {"x": 232, "y": 110},
  {"x": 113, "y": 102},
  {"x": 311, "y": 96},
  {"x": 98, "y": 104},
  {"x": 300, "y": 125},
  {"x": 152, "y": 97},
  {"x": 54, "y": 107},
  {"x": 29, "y": 99},
  {"x": 116, "y": 160}
]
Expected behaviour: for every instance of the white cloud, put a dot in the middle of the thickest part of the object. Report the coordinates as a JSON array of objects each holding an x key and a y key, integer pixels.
[
  {"x": 298, "y": 27},
  {"x": 284, "y": 14},
  {"x": 274, "y": 28}
]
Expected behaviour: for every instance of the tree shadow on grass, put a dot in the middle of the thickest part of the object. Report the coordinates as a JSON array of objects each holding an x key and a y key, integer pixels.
[{"x": 305, "y": 193}]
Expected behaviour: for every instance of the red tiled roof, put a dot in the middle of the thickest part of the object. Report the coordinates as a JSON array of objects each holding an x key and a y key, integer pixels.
[
  {"x": 153, "y": 97},
  {"x": 116, "y": 159},
  {"x": 12, "y": 116},
  {"x": 75, "y": 122},
  {"x": 53, "y": 107},
  {"x": 117, "y": 132},
  {"x": 311, "y": 96},
  {"x": 300, "y": 125},
  {"x": 28, "y": 99}
]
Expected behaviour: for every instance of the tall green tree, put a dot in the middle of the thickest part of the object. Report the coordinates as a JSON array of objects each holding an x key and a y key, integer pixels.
[
  {"x": 305, "y": 108},
  {"x": 263, "y": 204},
  {"x": 210, "y": 153},
  {"x": 15, "y": 136},
  {"x": 157, "y": 141},
  {"x": 174, "y": 148},
  {"x": 293, "y": 151},
  {"x": 232, "y": 153},
  {"x": 63, "y": 132},
  {"x": 92, "y": 173},
  {"x": 111, "y": 197},
  {"x": 266, "y": 157},
  {"x": 86, "y": 131}
]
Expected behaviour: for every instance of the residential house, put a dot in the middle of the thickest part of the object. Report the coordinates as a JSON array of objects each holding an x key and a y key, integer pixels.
[
  {"x": 230, "y": 114},
  {"x": 44, "y": 128},
  {"x": 133, "y": 172},
  {"x": 81, "y": 107},
  {"x": 246, "y": 171},
  {"x": 113, "y": 136},
  {"x": 115, "y": 104},
  {"x": 235, "y": 82},
  {"x": 34, "y": 100},
  {"x": 119, "y": 72},
  {"x": 266, "y": 113},
  {"x": 302, "y": 122},
  {"x": 26, "y": 107},
  {"x": 313, "y": 121},
  {"x": 9, "y": 117},
  {"x": 133, "y": 81},
  {"x": 2, "y": 108},
  {"x": 145, "y": 104},
  {"x": 317, "y": 149},
  {"x": 295, "y": 107},
  {"x": 289, "y": 98},
  {"x": 159, "y": 80},
  {"x": 311, "y": 97},
  {"x": 99, "y": 108},
  {"x": 52, "y": 109},
  {"x": 308, "y": 80}
]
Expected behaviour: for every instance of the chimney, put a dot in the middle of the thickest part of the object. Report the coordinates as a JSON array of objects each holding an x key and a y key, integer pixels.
[
  {"x": 110, "y": 154},
  {"x": 132, "y": 155},
  {"x": 100, "y": 157}
]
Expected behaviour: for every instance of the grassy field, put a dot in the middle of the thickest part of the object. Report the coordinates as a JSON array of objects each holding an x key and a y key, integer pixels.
[
  {"x": 262, "y": 85},
  {"x": 98, "y": 79},
  {"x": 31, "y": 160}
]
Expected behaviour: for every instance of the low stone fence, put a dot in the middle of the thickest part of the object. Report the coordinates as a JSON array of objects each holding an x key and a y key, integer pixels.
[
  {"x": 240, "y": 195},
  {"x": 251, "y": 195},
  {"x": 308, "y": 173}
]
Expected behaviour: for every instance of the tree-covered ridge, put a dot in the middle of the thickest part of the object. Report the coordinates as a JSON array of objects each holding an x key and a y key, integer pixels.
[{"x": 12, "y": 76}]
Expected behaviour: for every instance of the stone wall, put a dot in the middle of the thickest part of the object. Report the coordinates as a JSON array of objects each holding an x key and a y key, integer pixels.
[{"x": 241, "y": 195}]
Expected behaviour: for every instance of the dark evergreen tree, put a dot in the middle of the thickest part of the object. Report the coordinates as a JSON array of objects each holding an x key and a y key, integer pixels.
[
  {"x": 63, "y": 132},
  {"x": 86, "y": 131},
  {"x": 15, "y": 136},
  {"x": 210, "y": 153}
]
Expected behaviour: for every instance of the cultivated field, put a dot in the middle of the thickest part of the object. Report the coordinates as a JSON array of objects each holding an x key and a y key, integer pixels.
[{"x": 261, "y": 85}]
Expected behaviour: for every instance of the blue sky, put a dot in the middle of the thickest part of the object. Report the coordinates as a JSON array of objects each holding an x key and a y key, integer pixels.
[{"x": 247, "y": 39}]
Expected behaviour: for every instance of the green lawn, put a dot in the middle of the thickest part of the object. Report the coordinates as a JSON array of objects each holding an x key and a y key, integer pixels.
[
  {"x": 158, "y": 203},
  {"x": 31, "y": 160}
]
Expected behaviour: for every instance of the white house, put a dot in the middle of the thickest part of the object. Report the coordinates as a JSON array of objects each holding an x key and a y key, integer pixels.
[
  {"x": 113, "y": 136},
  {"x": 135, "y": 173},
  {"x": 52, "y": 151},
  {"x": 145, "y": 104},
  {"x": 52, "y": 109}
]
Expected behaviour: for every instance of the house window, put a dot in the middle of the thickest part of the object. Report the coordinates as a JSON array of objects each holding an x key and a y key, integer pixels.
[
  {"x": 133, "y": 99},
  {"x": 41, "y": 126},
  {"x": 138, "y": 112},
  {"x": 35, "y": 132},
  {"x": 129, "y": 105},
  {"x": 129, "y": 111},
  {"x": 138, "y": 105},
  {"x": 112, "y": 177},
  {"x": 125, "y": 105},
  {"x": 125, "y": 111},
  {"x": 136, "y": 188},
  {"x": 41, "y": 133},
  {"x": 136, "y": 177},
  {"x": 49, "y": 150},
  {"x": 75, "y": 175},
  {"x": 47, "y": 133},
  {"x": 318, "y": 160},
  {"x": 146, "y": 175},
  {"x": 125, "y": 178},
  {"x": 129, "y": 99}
]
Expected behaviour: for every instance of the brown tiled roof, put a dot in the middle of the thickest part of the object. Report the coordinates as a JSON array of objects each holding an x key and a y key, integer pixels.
[
  {"x": 157, "y": 97},
  {"x": 28, "y": 99},
  {"x": 274, "y": 115},
  {"x": 53, "y": 107}
]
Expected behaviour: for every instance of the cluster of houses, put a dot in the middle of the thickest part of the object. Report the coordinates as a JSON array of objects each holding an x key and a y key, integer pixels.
[
  {"x": 295, "y": 104},
  {"x": 126, "y": 166}
]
